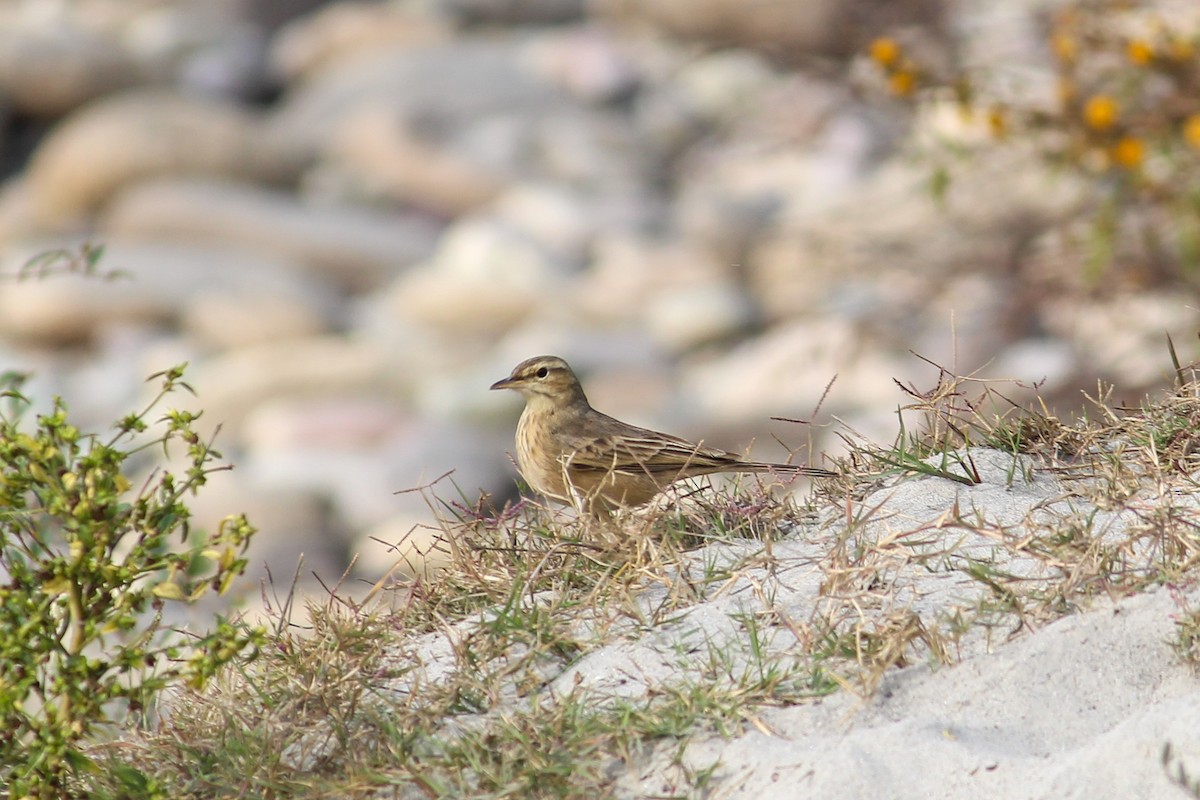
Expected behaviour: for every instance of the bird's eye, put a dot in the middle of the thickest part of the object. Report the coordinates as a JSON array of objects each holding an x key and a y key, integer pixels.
[{"x": 543, "y": 372}]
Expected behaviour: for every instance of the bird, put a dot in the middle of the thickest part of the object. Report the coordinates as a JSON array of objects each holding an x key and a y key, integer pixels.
[{"x": 576, "y": 455}]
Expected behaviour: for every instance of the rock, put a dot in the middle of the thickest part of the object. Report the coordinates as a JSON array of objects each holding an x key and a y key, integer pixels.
[
  {"x": 787, "y": 30},
  {"x": 466, "y": 106},
  {"x": 318, "y": 447},
  {"x": 1123, "y": 338},
  {"x": 347, "y": 29},
  {"x": 228, "y": 320},
  {"x": 629, "y": 274},
  {"x": 696, "y": 314},
  {"x": 203, "y": 47},
  {"x": 993, "y": 208},
  {"x": 233, "y": 384},
  {"x": 17, "y": 215},
  {"x": 384, "y": 158},
  {"x": 510, "y": 12},
  {"x": 784, "y": 372},
  {"x": 271, "y": 14},
  {"x": 459, "y": 305},
  {"x": 354, "y": 248},
  {"x": 1047, "y": 363},
  {"x": 723, "y": 86},
  {"x": 446, "y": 91},
  {"x": 587, "y": 62},
  {"x": 156, "y": 283},
  {"x": 51, "y": 68},
  {"x": 485, "y": 277},
  {"x": 117, "y": 141},
  {"x": 333, "y": 419},
  {"x": 557, "y": 217},
  {"x": 735, "y": 193}
]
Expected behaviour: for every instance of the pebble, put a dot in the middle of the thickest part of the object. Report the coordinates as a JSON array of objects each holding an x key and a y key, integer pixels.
[
  {"x": 49, "y": 69},
  {"x": 119, "y": 140},
  {"x": 230, "y": 385},
  {"x": 374, "y": 155},
  {"x": 355, "y": 249},
  {"x": 337, "y": 31},
  {"x": 155, "y": 283}
]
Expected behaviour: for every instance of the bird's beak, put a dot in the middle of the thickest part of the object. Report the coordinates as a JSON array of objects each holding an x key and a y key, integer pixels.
[{"x": 507, "y": 383}]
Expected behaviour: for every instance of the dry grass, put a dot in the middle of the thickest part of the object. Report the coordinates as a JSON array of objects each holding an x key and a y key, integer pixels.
[{"x": 554, "y": 657}]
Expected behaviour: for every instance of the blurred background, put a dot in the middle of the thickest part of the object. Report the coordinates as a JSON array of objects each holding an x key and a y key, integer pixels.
[{"x": 351, "y": 217}]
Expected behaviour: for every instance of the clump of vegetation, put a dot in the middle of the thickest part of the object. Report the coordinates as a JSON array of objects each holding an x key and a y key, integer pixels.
[
  {"x": 1124, "y": 114},
  {"x": 88, "y": 561}
]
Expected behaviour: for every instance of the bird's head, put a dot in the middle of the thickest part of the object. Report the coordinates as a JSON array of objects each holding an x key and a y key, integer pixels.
[{"x": 547, "y": 377}]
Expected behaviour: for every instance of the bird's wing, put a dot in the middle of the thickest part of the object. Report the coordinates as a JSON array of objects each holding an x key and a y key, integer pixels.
[{"x": 629, "y": 449}]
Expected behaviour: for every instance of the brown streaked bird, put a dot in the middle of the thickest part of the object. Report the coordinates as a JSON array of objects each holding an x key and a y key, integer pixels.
[{"x": 572, "y": 453}]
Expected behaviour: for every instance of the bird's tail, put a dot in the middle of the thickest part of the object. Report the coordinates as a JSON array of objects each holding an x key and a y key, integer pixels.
[{"x": 788, "y": 469}]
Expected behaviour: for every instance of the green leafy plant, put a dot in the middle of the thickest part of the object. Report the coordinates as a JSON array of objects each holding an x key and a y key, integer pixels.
[{"x": 87, "y": 563}]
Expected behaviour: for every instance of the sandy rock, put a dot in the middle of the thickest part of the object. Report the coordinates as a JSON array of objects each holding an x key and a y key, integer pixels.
[
  {"x": 345, "y": 29},
  {"x": 233, "y": 384},
  {"x": 587, "y": 62},
  {"x": 68, "y": 310},
  {"x": 450, "y": 90},
  {"x": 270, "y": 14},
  {"x": 334, "y": 419},
  {"x": 485, "y": 277},
  {"x": 1115, "y": 336},
  {"x": 555, "y": 216},
  {"x": 228, "y": 320},
  {"x": 47, "y": 70},
  {"x": 735, "y": 193},
  {"x": 475, "y": 103},
  {"x": 1048, "y": 363},
  {"x": 126, "y": 138},
  {"x": 368, "y": 482},
  {"x": 460, "y": 305},
  {"x": 696, "y": 314},
  {"x": 156, "y": 283},
  {"x": 629, "y": 274},
  {"x": 376, "y": 152},
  {"x": 868, "y": 232},
  {"x": 354, "y": 248},
  {"x": 722, "y": 86},
  {"x": 202, "y": 47},
  {"x": 784, "y": 372},
  {"x": 18, "y": 216}
]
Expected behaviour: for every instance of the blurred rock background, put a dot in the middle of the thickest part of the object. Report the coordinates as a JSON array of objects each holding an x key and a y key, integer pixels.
[{"x": 351, "y": 217}]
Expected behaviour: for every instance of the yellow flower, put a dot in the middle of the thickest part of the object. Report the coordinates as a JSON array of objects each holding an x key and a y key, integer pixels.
[
  {"x": 902, "y": 83},
  {"x": 1100, "y": 112},
  {"x": 997, "y": 118},
  {"x": 1129, "y": 152},
  {"x": 1064, "y": 47},
  {"x": 1191, "y": 131},
  {"x": 1139, "y": 52},
  {"x": 884, "y": 51}
]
